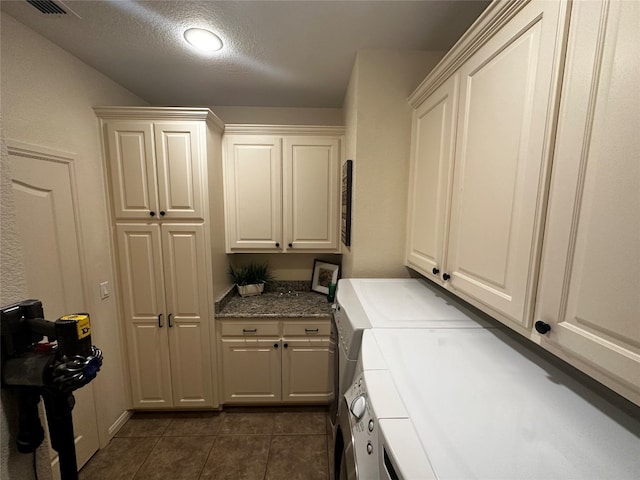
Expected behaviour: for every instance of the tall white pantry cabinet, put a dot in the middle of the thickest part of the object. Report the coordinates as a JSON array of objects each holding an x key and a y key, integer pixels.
[
  {"x": 156, "y": 163},
  {"x": 525, "y": 178}
]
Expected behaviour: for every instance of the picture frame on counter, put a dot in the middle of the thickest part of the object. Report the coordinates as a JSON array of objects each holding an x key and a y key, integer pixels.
[
  {"x": 347, "y": 180},
  {"x": 324, "y": 274}
]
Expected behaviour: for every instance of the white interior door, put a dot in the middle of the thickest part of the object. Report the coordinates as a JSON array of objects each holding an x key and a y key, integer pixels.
[{"x": 43, "y": 186}]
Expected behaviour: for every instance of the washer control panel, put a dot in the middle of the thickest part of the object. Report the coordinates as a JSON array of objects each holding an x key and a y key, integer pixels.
[
  {"x": 371, "y": 397},
  {"x": 363, "y": 428}
]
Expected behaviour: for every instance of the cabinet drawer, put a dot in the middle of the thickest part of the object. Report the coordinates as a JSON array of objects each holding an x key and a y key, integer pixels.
[
  {"x": 307, "y": 328},
  {"x": 243, "y": 329}
]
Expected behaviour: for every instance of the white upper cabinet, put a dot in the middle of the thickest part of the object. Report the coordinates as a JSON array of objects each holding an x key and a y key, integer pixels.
[
  {"x": 589, "y": 291},
  {"x": 282, "y": 192},
  {"x": 478, "y": 233},
  {"x": 155, "y": 169},
  {"x": 430, "y": 177},
  {"x": 310, "y": 193},
  {"x": 253, "y": 184}
]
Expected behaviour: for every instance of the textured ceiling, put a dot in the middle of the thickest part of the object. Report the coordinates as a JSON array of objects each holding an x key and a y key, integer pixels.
[{"x": 277, "y": 53}]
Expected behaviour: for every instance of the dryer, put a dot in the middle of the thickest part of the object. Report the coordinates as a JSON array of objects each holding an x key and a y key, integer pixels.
[{"x": 362, "y": 304}]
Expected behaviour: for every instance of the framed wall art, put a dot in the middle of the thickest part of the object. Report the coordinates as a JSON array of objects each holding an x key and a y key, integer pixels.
[
  {"x": 347, "y": 179},
  {"x": 324, "y": 274}
]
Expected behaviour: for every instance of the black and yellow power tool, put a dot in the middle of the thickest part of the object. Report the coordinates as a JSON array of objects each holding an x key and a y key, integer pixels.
[{"x": 50, "y": 369}]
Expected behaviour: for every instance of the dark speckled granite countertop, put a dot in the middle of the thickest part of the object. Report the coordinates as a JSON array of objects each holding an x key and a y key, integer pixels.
[{"x": 274, "y": 304}]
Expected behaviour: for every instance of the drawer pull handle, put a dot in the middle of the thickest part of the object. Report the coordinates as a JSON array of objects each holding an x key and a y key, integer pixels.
[
  {"x": 311, "y": 330},
  {"x": 169, "y": 320},
  {"x": 160, "y": 321},
  {"x": 249, "y": 330}
]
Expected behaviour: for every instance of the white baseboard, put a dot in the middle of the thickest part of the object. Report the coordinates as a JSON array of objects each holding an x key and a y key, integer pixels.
[{"x": 117, "y": 425}]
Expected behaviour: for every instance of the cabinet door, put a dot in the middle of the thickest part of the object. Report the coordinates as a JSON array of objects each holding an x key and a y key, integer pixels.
[
  {"x": 307, "y": 370},
  {"x": 431, "y": 170},
  {"x": 253, "y": 192},
  {"x": 181, "y": 172},
  {"x": 188, "y": 315},
  {"x": 251, "y": 370},
  {"x": 132, "y": 169},
  {"x": 310, "y": 192},
  {"x": 140, "y": 263},
  {"x": 504, "y": 126},
  {"x": 590, "y": 279}
]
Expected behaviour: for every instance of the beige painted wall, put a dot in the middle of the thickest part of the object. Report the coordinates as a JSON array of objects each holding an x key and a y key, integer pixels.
[
  {"x": 47, "y": 100},
  {"x": 378, "y": 131},
  {"x": 220, "y": 266},
  {"x": 290, "y": 266},
  {"x": 280, "y": 116}
]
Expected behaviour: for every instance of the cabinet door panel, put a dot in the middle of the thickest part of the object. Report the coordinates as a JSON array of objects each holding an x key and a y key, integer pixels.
[
  {"x": 253, "y": 170},
  {"x": 186, "y": 299},
  {"x": 251, "y": 370},
  {"x": 505, "y": 118},
  {"x": 307, "y": 370},
  {"x": 190, "y": 365},
  {"x": 180, "y": 170},
  {"x": 590, "y": 278},
  {"x": 140, "y": 265},
  {"x": 310, "y": 180},
  {"x": 132, "y": 169},
  {"x": 430, "y": 178},
  {"x": 148, "y": 364}
]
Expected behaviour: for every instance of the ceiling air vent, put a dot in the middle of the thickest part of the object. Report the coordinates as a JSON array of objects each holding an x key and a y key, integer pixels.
[{"x": 48, "y": 7}]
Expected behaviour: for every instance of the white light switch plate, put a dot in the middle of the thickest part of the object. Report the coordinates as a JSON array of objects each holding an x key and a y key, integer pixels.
[{"x": 104, "y": 290}]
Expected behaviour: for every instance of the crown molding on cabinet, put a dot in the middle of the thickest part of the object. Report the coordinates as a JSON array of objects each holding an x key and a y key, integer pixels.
[
  {"x": 161, "y": 113},
  {"x": 497, "y": 14},
  {"x": 247, "y": 129}
]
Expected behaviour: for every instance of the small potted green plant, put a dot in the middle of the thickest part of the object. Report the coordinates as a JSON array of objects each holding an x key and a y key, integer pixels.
[{"x": 250, "y": 279}]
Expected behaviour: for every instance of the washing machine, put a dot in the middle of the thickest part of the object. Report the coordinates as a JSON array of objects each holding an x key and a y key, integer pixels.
[{"x": 479, "y": 403}]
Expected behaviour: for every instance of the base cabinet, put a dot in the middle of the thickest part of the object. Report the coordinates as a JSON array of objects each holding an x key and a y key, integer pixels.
[
  {"x": 251, "y": 370},
  {"x": 306, "y": 370},
  {"x": 275, "y": 362}
]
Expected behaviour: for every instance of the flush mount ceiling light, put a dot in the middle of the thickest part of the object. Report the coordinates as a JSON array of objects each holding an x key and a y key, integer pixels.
[{"x": 203, "y": 39}]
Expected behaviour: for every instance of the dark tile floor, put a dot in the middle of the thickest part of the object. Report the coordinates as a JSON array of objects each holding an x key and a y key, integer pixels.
[{"x": 237, "y": 443}]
